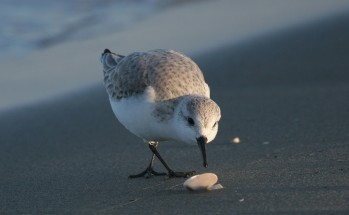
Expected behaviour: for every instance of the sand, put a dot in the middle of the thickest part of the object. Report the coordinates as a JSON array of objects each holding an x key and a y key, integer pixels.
[{"x": 69, "y": 155}]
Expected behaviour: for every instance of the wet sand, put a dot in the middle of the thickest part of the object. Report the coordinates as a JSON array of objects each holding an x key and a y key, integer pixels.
[{"x": 284, "y": 95}]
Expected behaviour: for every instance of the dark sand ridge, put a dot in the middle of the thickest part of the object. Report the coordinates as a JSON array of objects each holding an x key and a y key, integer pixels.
[{"x": 290, "y": 90}]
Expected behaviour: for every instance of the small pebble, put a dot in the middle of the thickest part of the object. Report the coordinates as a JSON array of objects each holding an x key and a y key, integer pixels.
[{"x": 236, "y": 140}]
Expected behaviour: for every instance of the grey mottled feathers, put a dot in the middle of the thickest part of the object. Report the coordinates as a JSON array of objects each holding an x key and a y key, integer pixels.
[{"x": 170, "y": 73}]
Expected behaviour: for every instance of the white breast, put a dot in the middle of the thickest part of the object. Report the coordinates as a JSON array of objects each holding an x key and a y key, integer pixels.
[{"x": 136, "y": 114}]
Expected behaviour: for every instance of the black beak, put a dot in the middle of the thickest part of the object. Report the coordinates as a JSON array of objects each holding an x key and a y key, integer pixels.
[{"x": 202, "y": 145}]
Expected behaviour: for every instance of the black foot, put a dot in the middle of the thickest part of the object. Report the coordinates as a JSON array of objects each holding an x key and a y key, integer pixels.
[
  {"x": 172, "y": 174},
  {"x": 149, "y": 172}
]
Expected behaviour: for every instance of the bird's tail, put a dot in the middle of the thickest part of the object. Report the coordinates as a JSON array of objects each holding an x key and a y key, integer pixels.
[{"x": 110, "y": 60}]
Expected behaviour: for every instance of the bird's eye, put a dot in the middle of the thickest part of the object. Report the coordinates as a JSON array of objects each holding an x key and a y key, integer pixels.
[{"x": 190, "y": 121}]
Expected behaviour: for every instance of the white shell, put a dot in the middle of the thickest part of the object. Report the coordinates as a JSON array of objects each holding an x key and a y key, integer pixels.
[
  {"x": 201, "y": 182},
  {"x": 216, "y": 187}
]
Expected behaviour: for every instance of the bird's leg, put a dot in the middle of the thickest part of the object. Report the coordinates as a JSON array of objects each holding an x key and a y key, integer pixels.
[
  {"x": 171, "y": 173},
  {"x": 149, "y": 171}
]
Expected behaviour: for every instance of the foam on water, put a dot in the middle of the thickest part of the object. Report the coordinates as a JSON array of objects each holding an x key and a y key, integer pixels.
[{"x": 28, "y": 25}]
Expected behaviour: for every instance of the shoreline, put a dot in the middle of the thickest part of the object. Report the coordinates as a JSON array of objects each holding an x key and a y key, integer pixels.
[
  {"x": 72, "y": 66},
  {"x": 71, "y": 156}
]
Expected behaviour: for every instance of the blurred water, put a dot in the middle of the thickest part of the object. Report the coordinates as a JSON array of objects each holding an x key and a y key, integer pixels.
[{"x": 30, "y": 24}]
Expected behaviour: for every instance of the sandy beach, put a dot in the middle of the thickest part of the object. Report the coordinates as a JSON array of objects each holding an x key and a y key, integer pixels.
[{"x": 284, "y": 94}]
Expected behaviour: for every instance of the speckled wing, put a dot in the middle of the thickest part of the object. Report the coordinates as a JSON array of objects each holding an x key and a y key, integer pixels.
[{"x": 170, "y": 73}]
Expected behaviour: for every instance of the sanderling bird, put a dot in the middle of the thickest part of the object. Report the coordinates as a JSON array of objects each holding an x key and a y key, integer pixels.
[{"x": 161, "y": 95}]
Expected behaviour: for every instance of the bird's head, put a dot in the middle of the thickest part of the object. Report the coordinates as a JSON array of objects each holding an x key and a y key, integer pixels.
[{"x": 197, "y": 120}]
